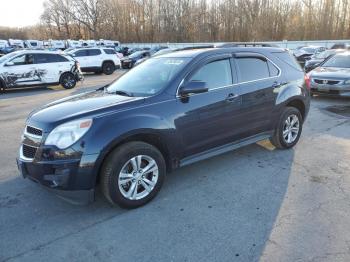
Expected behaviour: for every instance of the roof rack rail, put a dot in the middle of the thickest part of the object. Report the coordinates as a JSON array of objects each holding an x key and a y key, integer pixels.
[{"x": 245, "y": 44}]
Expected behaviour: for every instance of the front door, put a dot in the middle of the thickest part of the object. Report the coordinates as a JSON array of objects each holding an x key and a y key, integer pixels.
[
  {"x": 207, "y": 117},
  {"x": 20, "y": 71}
]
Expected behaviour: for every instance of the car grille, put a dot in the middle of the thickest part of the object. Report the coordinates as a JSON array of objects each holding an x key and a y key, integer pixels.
[
  {"x": 326, "y": 82},
  {"x": 34, "y": 131},
  {"x": 28, "y": 151}
]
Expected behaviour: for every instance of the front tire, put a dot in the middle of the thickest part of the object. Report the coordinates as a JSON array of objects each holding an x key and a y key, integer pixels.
[
  {"x": 132, "y": 174},
  {"x": 289, "y": 129},
  {"x": 68, "y": 81}
]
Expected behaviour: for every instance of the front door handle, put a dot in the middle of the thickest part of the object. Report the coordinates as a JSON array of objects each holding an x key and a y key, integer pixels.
[{"x": 231, "y": 97}]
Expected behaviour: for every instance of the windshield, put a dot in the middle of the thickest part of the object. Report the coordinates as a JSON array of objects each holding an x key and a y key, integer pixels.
[
  {"x": 150, "y": 77},
  {"x": 6, "y": 57},
  {"x": 324, "y": 54},
  {"x": 342, "y": 61}
]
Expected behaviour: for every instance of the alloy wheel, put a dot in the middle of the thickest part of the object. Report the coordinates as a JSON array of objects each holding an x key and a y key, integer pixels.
[
  {"x": 138, "y": 177},
  {"x": 291, "y": 129}
]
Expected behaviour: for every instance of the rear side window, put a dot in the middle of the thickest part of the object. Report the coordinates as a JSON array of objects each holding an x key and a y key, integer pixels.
[
  {"x": 215, "y": 74},
  {"x": 109, "y": 51},
  {"x": 49, "y": 58},
  {"x": 251, "y": 68},
  {"x": 93, "y": 52},
  {"x": 274, "y": 71}
]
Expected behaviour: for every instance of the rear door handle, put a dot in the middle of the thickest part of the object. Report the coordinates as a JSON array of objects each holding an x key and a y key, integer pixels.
[{"x": 231, "y": 97}]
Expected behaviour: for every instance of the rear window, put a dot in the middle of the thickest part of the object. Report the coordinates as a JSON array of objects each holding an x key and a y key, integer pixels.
[
  {"x": 252, "y": 69},
  {"x": 109, "y": 51},
  {"x": 289, "y": 59}
]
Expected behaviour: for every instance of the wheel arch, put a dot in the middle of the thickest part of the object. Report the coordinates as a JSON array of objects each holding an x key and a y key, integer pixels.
[
  {"x": 153, "y": 139},
  {"x": 298, "y": 104}
]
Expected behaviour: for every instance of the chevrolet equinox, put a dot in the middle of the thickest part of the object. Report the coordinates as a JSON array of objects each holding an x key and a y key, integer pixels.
[{"x": 168, "y": 112}]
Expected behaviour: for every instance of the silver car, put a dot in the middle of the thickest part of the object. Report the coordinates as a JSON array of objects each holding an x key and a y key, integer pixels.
[{"x": 333, "y": 76}]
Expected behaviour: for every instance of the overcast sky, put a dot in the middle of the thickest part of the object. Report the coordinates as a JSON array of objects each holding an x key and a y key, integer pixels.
[{"x": 18, "y": 13}]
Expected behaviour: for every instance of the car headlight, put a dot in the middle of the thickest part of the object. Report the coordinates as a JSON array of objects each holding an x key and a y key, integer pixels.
[
  {"x": 347, "y": 82},
  {"x": 67, "y": 134}
]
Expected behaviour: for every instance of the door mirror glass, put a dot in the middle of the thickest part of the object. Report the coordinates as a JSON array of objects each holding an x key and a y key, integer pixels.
[{"x": 193, "y": 87}]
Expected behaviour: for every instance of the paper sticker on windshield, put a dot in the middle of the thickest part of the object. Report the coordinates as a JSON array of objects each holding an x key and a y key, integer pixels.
[{"x": 173, "y": 62}]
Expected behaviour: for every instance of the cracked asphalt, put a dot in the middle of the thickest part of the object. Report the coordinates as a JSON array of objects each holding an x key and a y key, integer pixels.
[{"x": 252, "y": 204}]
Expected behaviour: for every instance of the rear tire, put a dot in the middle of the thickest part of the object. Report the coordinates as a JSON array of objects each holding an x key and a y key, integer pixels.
[
  {"x": 68, "y": 80},
  {"x": 127, "y": 169},
  {"x": 108, "y": 68},
  {"x": 289, "y": 129}
]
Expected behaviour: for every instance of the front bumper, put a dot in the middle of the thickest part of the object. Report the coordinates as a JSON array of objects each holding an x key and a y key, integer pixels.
[
  {"x": 72, "y": 180},
  {"x": 338, "y": 89}
]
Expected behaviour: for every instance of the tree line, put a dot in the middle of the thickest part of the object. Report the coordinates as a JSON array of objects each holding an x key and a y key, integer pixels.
[{"x": 193, "y": 20}]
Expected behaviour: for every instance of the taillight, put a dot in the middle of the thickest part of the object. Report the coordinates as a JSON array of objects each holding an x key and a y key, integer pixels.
[{"x": 307, "y": 79}]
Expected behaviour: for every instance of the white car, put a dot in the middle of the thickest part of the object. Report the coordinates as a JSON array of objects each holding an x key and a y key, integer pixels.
[
  {"x": 33, "y": 68},
  {"x": 97, "y": 59}
]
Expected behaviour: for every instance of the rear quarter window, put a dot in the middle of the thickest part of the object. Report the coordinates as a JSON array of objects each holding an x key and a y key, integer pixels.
[
  {"x": 287, "y": 58},
  {"x": 109, "y": 51}
]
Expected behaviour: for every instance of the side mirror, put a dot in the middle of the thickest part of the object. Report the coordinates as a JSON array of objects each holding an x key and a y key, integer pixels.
[
  {"x": 193, "y": 87},
  {"x": 10, "y": 63}
]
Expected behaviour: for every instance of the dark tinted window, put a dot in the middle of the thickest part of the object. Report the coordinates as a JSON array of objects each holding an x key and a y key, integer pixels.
[
  {"x": 81, "y": 53},
  {"x": 93, "y": 52},
  {"x": 109, "y": 51},
  {"x": 48, "y": 58},
  {"x": 252, "y": 69},
  {"x": 215, "y": 74},
  {"x": 273, "y": 69}
]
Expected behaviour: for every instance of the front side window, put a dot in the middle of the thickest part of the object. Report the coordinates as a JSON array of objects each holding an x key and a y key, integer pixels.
[
  {"x": 215, "y": 74},
  {"x": 148, "y": 78},
  {"x": 23, "y": 60},
  {"x": 252, "y": 68}
]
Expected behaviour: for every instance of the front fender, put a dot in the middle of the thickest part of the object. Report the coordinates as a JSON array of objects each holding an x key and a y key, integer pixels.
[{"x": 108, "y": 132}]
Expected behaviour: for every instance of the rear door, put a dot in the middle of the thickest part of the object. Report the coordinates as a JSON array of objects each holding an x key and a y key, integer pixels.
[
  {"x": 258, "y": 77},
  {"x": 50, "y": 67},
  {"x": 82, "y": 57}
]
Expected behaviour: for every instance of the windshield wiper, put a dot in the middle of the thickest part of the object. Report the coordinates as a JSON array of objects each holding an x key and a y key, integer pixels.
[{"x": 123, "y": 93}]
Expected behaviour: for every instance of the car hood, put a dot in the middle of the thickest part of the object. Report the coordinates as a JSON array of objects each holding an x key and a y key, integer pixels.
[
  {"x": 331, "y": 72},
  {"x": 79, "y": 106},
  {"x": 301, "y": 52},
  {"x": 314, "y": 61}
]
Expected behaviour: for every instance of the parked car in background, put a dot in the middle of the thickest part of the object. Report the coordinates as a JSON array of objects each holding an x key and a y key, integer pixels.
[
  {"x": 168, "y": 112},
  {"x": 32, "y": 68},
  {"x": 341, "y": 46},
  {"x": 16, "y": 42},
  {"x": 303, "y": 54},
  {"x": 333, "y": 76},
  {"x": 317, "y": 59},
  {"x": 33, "y": 44},
  {"x": 97, "y": 59},
  {"x": 73, "y": 44},
  {"x": 129, "y": 61}
]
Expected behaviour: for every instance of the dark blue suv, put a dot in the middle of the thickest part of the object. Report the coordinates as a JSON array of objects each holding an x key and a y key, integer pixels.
[{"x": 168, "y": 112}]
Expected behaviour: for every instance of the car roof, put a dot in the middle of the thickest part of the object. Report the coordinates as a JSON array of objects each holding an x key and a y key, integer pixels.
[
  {"x": 208, "y": 51},
  {"x": 36, "y": 51}
]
